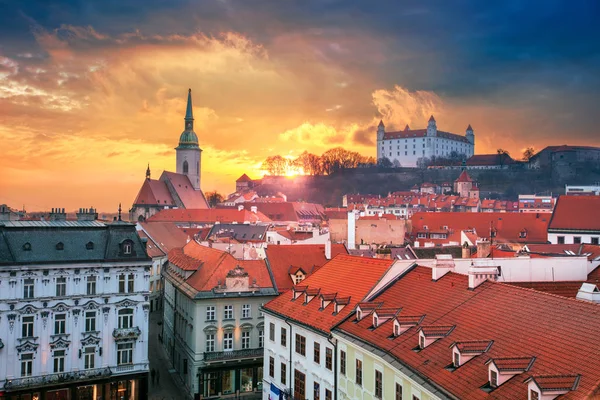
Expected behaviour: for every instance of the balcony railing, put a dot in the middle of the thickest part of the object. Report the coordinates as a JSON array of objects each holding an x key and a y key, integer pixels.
[
  {"x": 233, "y": 355},
  {"x": 126, "y": 333},
  {"x": 52, "y": 379},
  {"x": 126, "y": 368}
]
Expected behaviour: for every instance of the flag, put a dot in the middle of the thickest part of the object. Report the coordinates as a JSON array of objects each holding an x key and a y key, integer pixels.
[{"x": 275, "y": 393}]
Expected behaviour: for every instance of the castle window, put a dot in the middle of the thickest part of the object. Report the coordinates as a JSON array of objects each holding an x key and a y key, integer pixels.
[{"x": 185, "y": 167}]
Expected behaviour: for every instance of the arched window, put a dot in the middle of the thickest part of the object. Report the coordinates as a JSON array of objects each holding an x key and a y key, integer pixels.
[
  {"x": 185, "y": 167},
  {"x": 126, "y": 318},
  {"x": 127, "y": 247}
]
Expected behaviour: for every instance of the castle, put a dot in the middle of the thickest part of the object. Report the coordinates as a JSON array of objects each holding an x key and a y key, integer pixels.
[
  {"x": 179, "y": 189},
  {"x": 408, "y": 147}
]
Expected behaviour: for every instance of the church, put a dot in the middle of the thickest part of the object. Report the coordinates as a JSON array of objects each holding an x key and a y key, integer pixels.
[
  {"x": 408, "y": 147},
  {"x": 179, "y": 189}
]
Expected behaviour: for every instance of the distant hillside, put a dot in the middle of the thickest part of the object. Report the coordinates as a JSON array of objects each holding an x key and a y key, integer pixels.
[{"x": 503, "y": 184}]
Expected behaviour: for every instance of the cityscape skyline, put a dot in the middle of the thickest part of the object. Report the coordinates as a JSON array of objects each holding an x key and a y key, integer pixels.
[{"x": 90, "y": 94}]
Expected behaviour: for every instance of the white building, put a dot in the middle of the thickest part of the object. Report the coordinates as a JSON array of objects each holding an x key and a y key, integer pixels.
[
  {"x": 405, "y": 148},
  {"x": 575, "y": 220},
  {"x": 73, "y": 310},
  {"x": 213, "y": 329},
  {"x": 300, "y": 355},
  {"x": 579, "y": 190}
]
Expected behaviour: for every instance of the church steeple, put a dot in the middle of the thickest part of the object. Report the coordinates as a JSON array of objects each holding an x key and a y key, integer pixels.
[
  {"x": 189, "y": 114},
  {"x": 148, "y": 172}
]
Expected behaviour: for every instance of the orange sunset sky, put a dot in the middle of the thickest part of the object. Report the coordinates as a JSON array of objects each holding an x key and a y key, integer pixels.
[{"x": 86, "y": 104}]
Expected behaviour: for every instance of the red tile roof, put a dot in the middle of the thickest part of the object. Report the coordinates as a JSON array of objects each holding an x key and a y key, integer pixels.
[
  {"x": 180, "y": 183},
  {"x": 576, "y": 213},
  {"x": 347, "y": 275},
  {"x": 464, "y": 177},
  {"x": 151, "y": 247},
  {"x": 474, "y": 346},
  {"x": 520, "y": 364},
  {"x": 556, "y": 383},
  {"x": 154, "y": 192},
  {"x": 560, "y": 333},
  {"x": 208, "y": 216},
  {"x": 166, "y": 234},
  {"x": 283, "y": 259},
  {"x": 211, "y": 266},
  {"x": 508, "y": 226}
]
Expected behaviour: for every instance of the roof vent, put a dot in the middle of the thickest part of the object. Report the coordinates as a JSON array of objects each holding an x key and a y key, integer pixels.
[
  {"x": 430, "y": 333},
  {"x": 551, "y": 386},
  {"x": 403, "y": 323},
  {"x": 502, "y": 369},
  {"x": 478, "y": 275},
  {"x": 589, "y": 292},
  {"x": 466, "y": 350},
  {"x": 443, "y": 264}
]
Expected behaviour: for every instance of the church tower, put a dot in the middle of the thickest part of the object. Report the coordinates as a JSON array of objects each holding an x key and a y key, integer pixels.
[{"x": 188, "y": 152}]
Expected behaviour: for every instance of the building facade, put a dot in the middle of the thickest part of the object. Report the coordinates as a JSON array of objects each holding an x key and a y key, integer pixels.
[
  {"x": 73, "y": 310},
  {"x": 213, "y": 330},
  {"x": 407, "y": 147}
]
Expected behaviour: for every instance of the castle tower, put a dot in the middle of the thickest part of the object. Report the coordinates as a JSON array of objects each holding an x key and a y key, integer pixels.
[
  {"x": 431, "y": 127},
  {"x": 188, "y": 152},
  {"x": 470, "y": 135},
  {"x": 380, "y": 130}
]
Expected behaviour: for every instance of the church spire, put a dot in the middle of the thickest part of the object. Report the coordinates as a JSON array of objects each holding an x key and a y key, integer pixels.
[
  {"x": 148, "y": 172},
  {"x": 189, "y": 115}
]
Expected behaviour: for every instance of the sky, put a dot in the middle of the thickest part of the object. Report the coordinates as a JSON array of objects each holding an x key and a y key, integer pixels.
[{"x": 91, "y": 92}]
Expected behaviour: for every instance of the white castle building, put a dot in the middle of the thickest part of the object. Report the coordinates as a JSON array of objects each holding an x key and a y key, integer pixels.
[{"x": 405, "y": 148}]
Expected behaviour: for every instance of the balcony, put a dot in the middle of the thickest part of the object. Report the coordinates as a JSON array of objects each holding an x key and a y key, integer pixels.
[
  {"x": 128, "y": 368},
  {"x": 120, "y": 334},
  {"x": 53, "y": 379},
  {"x": 233, "y": 355}
]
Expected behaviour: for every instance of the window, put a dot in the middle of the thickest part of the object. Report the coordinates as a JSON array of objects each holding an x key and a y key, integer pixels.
[
  {"x": 493, "y": 378},
  {"x": 90, "y": 321},
  {"x": 316, "y": 391},
  {"x": 60, "y": 322},
  {"x": 456, "y": 360},
  {"x": 533, "y": 395},
  {"x": 185, "y": 167},
  {"x": 327, "y": 394},
  {"x": 272, "y": 332},
  {"x": 27, "y": 327},
  {"x": 245, "y": 339},
  {"x": 27, "y": 247},
  {"x": 127, "y": 247},
  {"x": 261, "y": 338},
  {"x": 260, "y": 313},
  {"x": 126, "y": 283},
  {"x": 60, "y": 246},
  {"x": 299, "y": 385},
  {"x": 576, "y": 239},
  {"x": 329, "y": 358},
  {"x": 126, "y": 318},
  {"x": 228, "y": 312},
  {"x": 59, "y": 361},
  {"x": 89, "y": 358},
  {"x": 27, "y": 364},
  {"x": 595, "y": 240},
  {"x": 284, "y": 337},
  {"x": 211, "y": 313},
  {"x": 300, "y": 345},
  {"x": 228, "y": 341},
  {"x": 91, "y": 285},
  {"x": 61, "y": 286},
  {"x": 378, "y": 384},
  {"x": 246, "y": 311},
  {"x": 398, "y": 391},
  {"x": 124, "y": 353},
  {"x": 560, "y": 239},
  {"x": 343, "y": 362},
  {"x": 317, "y": 353},
  {"x": 422, "y": 342},
  {"x": 283, "y": 373},
  {"x": 89, "y": 245},
  {"x": 210, "y": 342},
  {"x": 28, "y": 289},
  {"x": 271, "y": 367},
  {"x": 359, "y": 372}
]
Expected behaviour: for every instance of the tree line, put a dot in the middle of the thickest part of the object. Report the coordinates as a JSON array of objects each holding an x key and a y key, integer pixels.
[{"x": 331, "y": 161}]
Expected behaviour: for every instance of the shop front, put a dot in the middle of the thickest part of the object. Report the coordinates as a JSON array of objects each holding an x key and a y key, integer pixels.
[
  {"x": 125, "y": 387},
  {"x": 230, "y": 378}
]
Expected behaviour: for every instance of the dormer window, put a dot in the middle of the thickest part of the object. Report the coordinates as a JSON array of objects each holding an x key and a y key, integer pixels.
[
  {"x": 534, "y": 395},
  {"x": 60, "y": 246},
  {"x": 359, "y": 315},
  {"x": 127, "y": 247},
  {"x": 501, "y": 370},
  {"x": 422, "y": 342},
  {"x": 456, "y": 360},
  {"x": 27, "y": 247},
  {"x": 551, "y": 386},
  {"x": 430, "y": 333},
  {"x": 493, "y": 379},
  {"x": 523, "y": 233},
  {"x": 375, "y": 320}
]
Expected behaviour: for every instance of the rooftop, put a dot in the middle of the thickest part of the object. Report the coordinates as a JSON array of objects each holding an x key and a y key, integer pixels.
[{"x": 576, "y": 213}]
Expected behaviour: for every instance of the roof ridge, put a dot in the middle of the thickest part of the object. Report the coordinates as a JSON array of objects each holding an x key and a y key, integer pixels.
[{"x": 539, "y": 292}]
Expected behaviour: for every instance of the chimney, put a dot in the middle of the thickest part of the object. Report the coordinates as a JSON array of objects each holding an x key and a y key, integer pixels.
[
  {"x": 328, "y": 249},
  {"x": 254, "y": 209},
  {"x": 87, "y": 214},
  {"x": 351, "y": 230},
  {"x": 58, "y": 214},
  {"x": 483, "y": 248},
  {"x": 443, "y": 264},
  {"x": 466, "y": 251},
  {"x": 478, "y": 275},
  {"x": 241, "y": 207}
]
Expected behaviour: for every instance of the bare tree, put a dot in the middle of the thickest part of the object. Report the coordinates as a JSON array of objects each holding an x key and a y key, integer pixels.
[
  {"x": 275, "y": 165},
  {"x": 214, "y": 198},
  {"x": 528, "y": 153}
]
